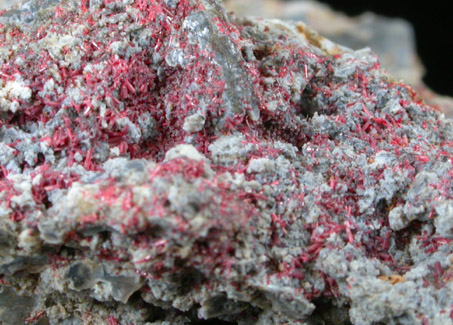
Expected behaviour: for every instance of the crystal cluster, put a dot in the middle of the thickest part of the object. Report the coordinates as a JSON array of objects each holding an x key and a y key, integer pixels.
[{"x": 164, "y": 162}]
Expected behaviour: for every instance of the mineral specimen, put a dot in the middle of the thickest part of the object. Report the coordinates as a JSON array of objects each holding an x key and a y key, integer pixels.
[
  {"x": 392, "y": 39},
  {"x": 165, "y": 162}
]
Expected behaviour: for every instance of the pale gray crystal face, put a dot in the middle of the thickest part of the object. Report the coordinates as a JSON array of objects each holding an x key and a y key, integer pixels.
[
  {"x": 14, "y": 308},
  {"x": 28, "y": 12}
]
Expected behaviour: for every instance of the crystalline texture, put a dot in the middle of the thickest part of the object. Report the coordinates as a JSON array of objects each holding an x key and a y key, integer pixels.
[{"x": 164, "y": 161}]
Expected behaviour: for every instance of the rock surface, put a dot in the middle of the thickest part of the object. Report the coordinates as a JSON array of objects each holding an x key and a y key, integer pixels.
[
  {"x": 164, "y": 162},
  {"x": 392, "y": 39}
]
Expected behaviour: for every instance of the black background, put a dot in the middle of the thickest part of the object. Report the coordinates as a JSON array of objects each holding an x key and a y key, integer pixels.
[{"x": 432, "y": 21}]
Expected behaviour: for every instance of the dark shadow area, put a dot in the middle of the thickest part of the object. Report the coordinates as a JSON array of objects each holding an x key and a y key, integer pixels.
[
  {"x": 326, "y": 314},
  {"x": 432, "y": 24},
  {"x": 213, "y": 321}
]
